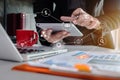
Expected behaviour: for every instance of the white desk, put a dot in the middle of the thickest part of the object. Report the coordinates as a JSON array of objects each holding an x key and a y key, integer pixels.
[{"x": 7, "y": 74}]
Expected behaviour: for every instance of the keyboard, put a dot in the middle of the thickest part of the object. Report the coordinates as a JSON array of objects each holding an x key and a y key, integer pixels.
[{"x": 25, "y": 50}]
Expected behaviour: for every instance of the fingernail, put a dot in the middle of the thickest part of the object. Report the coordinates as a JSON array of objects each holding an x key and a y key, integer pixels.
[
  {"x": 41, "y": 35},
  {"x": 75, "y": 22},
  {"x": 64, "y": 33},
  {"x": 45, "y": 35},
  {"x": 50, "y": 30}
]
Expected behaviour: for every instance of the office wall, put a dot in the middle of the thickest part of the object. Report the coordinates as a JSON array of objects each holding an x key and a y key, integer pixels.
[
  {"x": 22, "y": 6},
  {"x": 1, "y": 10},
  {"x": 16, "y": 6}
]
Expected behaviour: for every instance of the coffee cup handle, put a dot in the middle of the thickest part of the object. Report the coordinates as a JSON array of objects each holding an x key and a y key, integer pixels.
[{"x": 36, "y": 38}]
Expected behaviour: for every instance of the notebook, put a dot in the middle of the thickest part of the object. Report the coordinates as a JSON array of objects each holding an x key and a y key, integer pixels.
[{"x": 8, "y": 50}]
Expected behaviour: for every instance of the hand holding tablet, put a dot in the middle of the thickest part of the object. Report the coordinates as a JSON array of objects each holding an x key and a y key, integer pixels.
[{"x": 61, "y": 26}]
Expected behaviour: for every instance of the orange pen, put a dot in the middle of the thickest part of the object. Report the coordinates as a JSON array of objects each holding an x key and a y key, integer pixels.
[{"x": 83, "y": 67}]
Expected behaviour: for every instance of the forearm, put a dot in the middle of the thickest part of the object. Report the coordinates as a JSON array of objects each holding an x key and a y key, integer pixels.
[{"x": 109, "y": 22}]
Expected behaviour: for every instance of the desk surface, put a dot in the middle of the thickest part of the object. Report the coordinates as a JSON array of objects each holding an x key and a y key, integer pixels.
[{"x": 7, "y": 74}]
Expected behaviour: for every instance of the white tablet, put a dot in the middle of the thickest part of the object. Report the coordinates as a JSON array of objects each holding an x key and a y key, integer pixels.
[{"x": 61, "y": 26}]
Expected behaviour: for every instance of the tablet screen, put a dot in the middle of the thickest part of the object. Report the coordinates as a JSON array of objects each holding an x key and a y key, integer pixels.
[{"x": 61, "y": 26}]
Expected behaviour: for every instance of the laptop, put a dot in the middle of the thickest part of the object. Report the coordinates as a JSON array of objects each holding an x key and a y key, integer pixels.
[{"x": 8, "y": 50}]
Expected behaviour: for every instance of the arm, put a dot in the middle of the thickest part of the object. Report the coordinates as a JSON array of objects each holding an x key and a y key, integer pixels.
[
  {"x": 48, "y": 37},
  {"x": 110, "y": 20}
]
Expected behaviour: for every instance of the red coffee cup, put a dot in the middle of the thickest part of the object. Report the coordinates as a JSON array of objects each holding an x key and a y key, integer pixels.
[{"x": 26, "y": 38}]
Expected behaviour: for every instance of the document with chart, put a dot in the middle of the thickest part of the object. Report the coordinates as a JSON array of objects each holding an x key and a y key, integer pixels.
[{"x": 88, "y": 61}]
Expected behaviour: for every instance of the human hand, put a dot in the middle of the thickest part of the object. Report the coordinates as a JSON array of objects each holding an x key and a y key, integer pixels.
[
  {"x": 81, "y": 18},
  {"x": 56, "y": 37}
]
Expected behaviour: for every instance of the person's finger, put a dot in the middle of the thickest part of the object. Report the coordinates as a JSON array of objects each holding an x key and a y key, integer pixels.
[
  {"x": 66, "y": 35},
  {"x": 48, "y": 32},
  {"x": 58, "y": 36},
  {"x": 78, "y": 12},
  {"x": 81, "y": 19},
  {"x": 67, "y": 19},
  {"x": 43, "y": 33},
  {"x": 61, "y": 34}
]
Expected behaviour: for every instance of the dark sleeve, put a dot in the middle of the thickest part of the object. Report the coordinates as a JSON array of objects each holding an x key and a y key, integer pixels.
[
  {"x": 73, "y": 4},
  {"x": 39, "y": 6},
  {"x": 111, "y": 6},
  {"x": 66, "y": 7}
]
